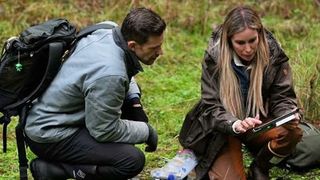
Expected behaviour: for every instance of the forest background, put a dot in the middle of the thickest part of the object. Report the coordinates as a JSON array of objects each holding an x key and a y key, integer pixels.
[{"x": 172, "y": 85}]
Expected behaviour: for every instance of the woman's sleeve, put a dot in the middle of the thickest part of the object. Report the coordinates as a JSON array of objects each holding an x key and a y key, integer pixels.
[
  {"x": 281, "y": 92},
  {"x": 282, "y": 96},
  {"x": 216, "y": 116}
]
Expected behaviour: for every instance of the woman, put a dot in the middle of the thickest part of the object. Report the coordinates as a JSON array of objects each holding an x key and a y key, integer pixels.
[{"x": 246, "y": 80}]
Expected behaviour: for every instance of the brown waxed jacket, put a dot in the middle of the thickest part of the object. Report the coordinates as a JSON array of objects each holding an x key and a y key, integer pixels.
[{"x": 207, "y": 124}]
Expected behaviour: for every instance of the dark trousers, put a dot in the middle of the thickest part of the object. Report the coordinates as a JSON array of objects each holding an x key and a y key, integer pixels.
[{"x": 114, "y": 161}]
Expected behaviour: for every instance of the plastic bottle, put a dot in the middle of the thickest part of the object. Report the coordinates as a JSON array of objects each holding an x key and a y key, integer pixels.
[{"x": 178, "y": 167}]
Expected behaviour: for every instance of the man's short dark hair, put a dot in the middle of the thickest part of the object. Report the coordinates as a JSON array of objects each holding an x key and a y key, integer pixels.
[{"x": 140, "y": 24}]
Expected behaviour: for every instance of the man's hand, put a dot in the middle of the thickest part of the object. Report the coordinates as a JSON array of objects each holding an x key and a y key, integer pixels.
[{"x": 152, "y": 141}]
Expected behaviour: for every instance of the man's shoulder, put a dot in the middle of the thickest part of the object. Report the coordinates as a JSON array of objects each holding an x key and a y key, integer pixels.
[{"x": 109, "y": 22}]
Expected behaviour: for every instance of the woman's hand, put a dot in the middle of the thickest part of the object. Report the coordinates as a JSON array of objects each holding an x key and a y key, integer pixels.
[
  {"x": 293, "y": 124},
  {"x": 246, "y": 124}
]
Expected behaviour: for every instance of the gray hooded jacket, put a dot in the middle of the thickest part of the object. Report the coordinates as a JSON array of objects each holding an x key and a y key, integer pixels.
[{"x": 88, "y": 92}]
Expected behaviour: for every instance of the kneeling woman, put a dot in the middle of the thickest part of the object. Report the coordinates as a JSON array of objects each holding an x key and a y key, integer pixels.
[{"x": 246, "y": 80}]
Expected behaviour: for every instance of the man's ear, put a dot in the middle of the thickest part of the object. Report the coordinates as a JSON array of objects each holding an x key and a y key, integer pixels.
[{"x": 132, "y": 45}]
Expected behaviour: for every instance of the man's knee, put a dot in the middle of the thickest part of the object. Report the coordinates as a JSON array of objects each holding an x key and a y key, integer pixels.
[
  {"x": 126, "y": 167},
  {"x": 134, "y": 162}
]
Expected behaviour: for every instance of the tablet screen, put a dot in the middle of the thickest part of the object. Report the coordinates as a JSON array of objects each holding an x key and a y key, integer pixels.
[{"x": 276, "y": 122}]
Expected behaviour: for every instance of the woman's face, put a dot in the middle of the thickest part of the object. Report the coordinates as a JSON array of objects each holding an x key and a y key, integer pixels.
[{"x": 245, "y": 44}]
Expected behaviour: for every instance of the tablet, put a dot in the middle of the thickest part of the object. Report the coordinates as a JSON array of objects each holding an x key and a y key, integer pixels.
[{"x": 276, "y": 122}]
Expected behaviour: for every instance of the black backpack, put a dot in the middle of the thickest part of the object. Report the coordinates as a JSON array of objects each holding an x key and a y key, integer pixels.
[{"x": 27, "y": 66}]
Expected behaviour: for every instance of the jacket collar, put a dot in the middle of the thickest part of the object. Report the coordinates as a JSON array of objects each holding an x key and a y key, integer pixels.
[
  {"x": 131, "y": 59},
  {"x": 237, "y": 61}
]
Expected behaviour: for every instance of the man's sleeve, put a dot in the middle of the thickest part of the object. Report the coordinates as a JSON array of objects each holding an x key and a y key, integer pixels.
[{"x": 104, "y": 99}]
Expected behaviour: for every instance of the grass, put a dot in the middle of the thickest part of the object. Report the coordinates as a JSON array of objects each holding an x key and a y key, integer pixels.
[{"x": 172, "y": 85}]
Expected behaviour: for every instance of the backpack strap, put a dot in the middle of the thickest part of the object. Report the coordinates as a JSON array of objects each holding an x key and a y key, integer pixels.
[
  {"x": 88, "y": 30},
  {"x": 5, "y": 120},
  {"x": 21, "y": 144},
  {"x": 85, "y": 32}
]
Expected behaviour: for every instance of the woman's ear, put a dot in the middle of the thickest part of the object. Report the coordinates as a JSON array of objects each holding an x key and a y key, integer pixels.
[{"x": 132, "y": 45}]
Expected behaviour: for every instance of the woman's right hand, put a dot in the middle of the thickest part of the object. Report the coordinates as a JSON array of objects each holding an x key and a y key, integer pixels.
[{"x": 246, "y": 124}]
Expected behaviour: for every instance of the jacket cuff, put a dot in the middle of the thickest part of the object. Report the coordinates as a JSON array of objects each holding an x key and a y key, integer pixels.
[
  {"x": 228, "y": 127},
  {"x": 135, "y": 100},
  {"x": 234, "y": 127},
  {"x": 134, "y": 95}
]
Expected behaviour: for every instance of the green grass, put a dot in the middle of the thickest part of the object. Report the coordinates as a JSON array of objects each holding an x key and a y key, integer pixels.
[{"x": 172, "y": 85}]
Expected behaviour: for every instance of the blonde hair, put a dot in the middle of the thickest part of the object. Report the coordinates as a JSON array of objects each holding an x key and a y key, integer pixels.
[{"x": 236, "y": 21}]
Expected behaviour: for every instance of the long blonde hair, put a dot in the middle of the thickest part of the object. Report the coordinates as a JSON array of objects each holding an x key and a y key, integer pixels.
[{"x": 236, "y": 21}]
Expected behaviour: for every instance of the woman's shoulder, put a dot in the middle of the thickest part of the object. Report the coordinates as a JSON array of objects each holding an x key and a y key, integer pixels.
[
  {"x": 213, "y": 45},
  {"x": 216, "y": 32}
]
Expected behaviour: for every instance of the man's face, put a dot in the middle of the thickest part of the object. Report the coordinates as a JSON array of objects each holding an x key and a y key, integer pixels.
[{"x": 149, "y": 51}]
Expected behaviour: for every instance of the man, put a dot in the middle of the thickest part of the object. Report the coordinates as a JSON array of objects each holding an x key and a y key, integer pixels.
[{"x": 77, "y": 128}]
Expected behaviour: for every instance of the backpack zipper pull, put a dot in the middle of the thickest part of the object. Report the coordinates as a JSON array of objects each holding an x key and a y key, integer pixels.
[{"x": 19, "y": 65}]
